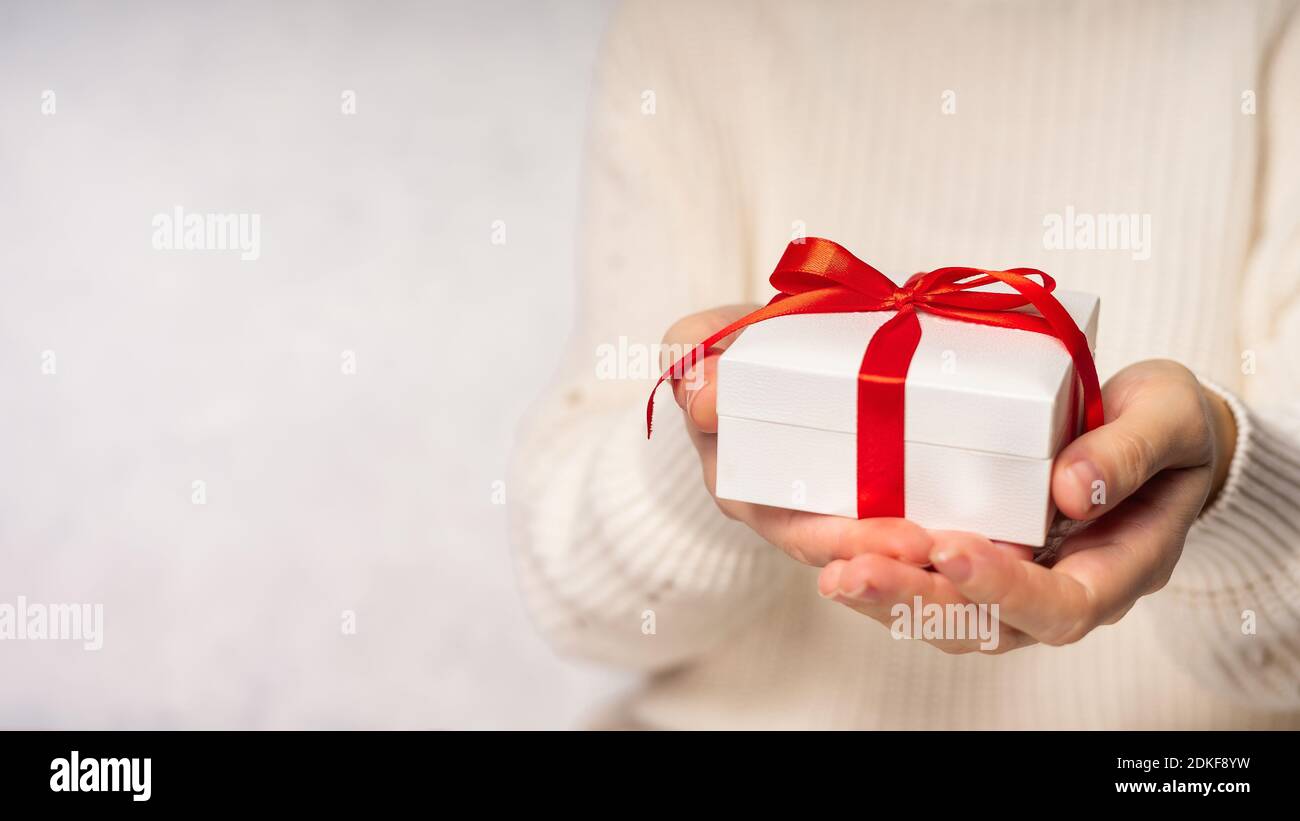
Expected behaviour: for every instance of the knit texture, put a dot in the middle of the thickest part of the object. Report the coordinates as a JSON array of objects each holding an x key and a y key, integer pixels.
[{"x": 920, "y": 135}]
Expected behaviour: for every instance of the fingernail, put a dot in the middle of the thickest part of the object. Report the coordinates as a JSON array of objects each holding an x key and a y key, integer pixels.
[
  {"x": 953, "y": 564},
  {"x": 1087, "y": 475},
  {"x": 865, "y": 593},
  {"x": 694, "y": 380}
]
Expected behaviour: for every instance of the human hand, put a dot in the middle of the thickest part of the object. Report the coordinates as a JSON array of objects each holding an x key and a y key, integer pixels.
[{"x": 1144, "y": 477}]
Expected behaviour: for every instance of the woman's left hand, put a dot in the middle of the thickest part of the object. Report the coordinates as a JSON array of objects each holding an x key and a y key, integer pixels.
[{"x": 1146, "y": 474}]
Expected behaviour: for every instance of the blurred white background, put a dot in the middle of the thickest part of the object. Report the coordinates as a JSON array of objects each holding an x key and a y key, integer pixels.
[{"x": 326, "y": 492}]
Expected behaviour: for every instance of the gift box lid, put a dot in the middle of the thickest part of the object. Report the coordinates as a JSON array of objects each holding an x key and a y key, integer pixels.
[{"x": 976, "y": 387}]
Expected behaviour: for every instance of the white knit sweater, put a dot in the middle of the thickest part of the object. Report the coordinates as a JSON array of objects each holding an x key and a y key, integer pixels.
[{"x": 923, "y": 134}]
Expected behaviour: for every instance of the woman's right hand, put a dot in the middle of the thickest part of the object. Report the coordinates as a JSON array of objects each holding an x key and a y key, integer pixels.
[{"x": 811, "y": 538}]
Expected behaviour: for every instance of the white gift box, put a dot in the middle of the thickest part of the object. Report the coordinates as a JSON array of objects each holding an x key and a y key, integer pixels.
[{"x": 986, "y": 410}]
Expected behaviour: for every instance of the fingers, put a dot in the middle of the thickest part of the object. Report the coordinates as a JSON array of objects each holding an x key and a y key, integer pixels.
[
  {"x": 696, "y": 391},
  {"x": 689, "y": 330},
  {"x": 816, "y": 539},
  {"x": 891, "y": 593},
  {"x": 1103, "y": 572},
  {"x": 1132, "y": 552},
  {"x": 697, "y": 394},
  {"x": 1158, "y": 421},
  {"x": 1051, "y": 606}
]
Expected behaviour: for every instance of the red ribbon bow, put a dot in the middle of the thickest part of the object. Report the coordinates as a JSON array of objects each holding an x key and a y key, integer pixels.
[{"x": 818, "y": 276}]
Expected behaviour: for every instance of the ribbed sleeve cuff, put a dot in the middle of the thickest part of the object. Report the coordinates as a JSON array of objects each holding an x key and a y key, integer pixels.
[
  {"x": 1232, "y": 607},
  {"x": 1250, "y": 534}
]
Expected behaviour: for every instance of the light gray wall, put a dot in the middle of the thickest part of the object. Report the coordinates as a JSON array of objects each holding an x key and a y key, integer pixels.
[{"x": 325, "y": 492}]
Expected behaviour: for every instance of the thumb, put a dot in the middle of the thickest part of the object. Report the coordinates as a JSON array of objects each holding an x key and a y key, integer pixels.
[
  {"x": 1158, "y": 423},
  {"x": 696, "y": 391}
]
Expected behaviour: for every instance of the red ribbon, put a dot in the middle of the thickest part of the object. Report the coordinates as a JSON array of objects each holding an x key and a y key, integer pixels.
[{"x": 818, "y": 276}]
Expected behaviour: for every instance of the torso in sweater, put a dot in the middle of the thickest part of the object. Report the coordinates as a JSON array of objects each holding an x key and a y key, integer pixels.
[{"x": 988, "y": 134}]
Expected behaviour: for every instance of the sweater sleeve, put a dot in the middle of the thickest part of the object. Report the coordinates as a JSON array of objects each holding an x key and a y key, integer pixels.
[
  {"x": 1236, "y": 590},
  {"x": 621, "y": 554}
]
